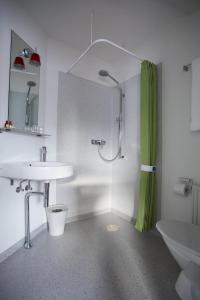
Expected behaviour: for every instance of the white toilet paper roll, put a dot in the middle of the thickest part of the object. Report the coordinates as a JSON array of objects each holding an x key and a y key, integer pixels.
[{"x": 181, "y": 189}]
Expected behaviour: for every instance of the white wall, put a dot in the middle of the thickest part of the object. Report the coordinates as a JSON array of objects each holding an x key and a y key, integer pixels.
[
  {"x": 17, "y": 147},
  {"x": 84, "y": 113},
  {"x": 181, "y": 147}
]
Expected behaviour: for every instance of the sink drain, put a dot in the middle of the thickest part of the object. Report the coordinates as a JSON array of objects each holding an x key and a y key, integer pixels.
[{"x": 112, "y": 227}]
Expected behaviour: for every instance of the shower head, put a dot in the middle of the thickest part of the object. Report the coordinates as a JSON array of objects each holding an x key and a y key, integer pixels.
[
  {"x": 31, "y": 83},
  {"x": 105, "y": 73}
]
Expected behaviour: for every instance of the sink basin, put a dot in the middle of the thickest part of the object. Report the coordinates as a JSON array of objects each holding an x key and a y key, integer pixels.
[{"x": 35, "y": 170}]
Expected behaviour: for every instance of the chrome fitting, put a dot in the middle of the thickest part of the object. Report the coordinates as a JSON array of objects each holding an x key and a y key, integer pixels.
[
  {"x": 20, "y": 188},
  {"x": 98, "y": 142}
]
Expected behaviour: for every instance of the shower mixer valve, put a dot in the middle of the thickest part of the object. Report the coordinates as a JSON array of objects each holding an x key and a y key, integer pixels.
[{"x": 98, "y": 142}]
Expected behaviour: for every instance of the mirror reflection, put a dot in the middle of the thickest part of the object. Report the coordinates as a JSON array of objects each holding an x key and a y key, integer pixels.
[{"x": 23, "y": 102}]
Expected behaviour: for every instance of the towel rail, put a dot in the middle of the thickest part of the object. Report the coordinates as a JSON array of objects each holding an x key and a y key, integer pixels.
[{"x": 196, "y": 204}]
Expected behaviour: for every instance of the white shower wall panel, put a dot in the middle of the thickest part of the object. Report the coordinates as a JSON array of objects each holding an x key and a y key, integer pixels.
[{"x": 84, "y": 113}]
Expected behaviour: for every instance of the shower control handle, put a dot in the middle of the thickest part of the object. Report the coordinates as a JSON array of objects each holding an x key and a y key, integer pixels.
[{"x": 98, "y": 142}]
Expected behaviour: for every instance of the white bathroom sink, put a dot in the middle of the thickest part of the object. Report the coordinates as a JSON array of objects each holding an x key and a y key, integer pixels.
[{"x": 35, "y": 170}]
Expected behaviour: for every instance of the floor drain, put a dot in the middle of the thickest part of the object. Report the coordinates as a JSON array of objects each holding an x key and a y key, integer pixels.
[
  {"x": 112, "y": 227},
  {"x": 56, "y": 210}
]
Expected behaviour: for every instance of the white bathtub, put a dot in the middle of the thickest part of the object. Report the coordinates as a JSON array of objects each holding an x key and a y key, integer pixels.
[{"x": 182, "y": 239}]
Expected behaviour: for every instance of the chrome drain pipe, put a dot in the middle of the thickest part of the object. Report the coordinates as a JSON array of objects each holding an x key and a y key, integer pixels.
[
  {"x": 27, "y": 242},
  {"x": 45, "y": 194}
]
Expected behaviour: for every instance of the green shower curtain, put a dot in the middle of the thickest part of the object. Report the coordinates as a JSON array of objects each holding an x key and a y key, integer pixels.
[{"x": 146, "y": 215}]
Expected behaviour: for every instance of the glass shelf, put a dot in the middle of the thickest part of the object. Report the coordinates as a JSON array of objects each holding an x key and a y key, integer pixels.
[
  {"x": 25, "y": 132},
  {"x": 23, "y": 72}
]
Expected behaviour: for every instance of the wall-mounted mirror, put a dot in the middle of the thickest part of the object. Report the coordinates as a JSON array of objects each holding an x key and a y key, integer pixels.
[{"x": 23, "y": 100}]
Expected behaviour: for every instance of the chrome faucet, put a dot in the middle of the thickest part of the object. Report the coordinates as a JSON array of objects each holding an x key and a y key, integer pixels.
[{"x": 43, "y": 154}]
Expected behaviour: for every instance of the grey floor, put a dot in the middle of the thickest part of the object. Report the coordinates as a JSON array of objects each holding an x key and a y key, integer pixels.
[{"x": 90, "y": 263}]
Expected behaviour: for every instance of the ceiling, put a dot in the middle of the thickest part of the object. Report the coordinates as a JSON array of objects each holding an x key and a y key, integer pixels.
[
  {"x": 186, "y": 6},
  {"x": 126, "y": 22}
]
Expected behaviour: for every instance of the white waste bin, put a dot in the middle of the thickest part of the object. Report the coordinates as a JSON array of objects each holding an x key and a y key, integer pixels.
[{"x": 56, "y": 216}]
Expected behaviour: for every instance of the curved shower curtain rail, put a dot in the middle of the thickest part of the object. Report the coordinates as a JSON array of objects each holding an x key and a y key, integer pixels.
[{"x": 107, "y": 42}]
